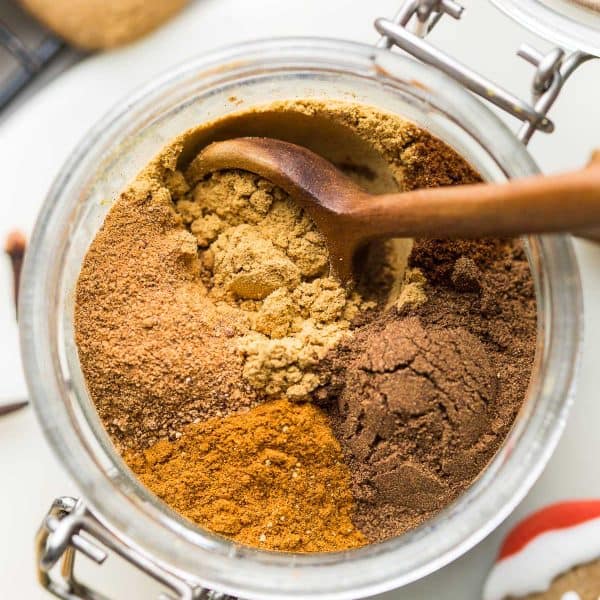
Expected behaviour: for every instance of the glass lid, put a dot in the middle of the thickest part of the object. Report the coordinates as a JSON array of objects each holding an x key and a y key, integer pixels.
[{"x": 572, "y": 24}]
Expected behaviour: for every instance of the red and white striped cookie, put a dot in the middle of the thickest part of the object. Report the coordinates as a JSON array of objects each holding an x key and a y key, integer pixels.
[{"x": 544, "y": 546}]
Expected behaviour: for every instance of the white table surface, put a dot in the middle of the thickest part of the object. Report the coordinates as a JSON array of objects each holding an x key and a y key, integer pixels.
[{"x": 36, "y": 138}]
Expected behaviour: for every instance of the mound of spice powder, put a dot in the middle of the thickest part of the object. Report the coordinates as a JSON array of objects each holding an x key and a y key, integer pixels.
[
  {"x": 426, "y": 395},
  {"x": 272, "y": 477}
]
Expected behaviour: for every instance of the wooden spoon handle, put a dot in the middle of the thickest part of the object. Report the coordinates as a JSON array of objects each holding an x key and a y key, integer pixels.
[
  {"x": 593, "y": 232},
  {"x": 540, "y": 204}
]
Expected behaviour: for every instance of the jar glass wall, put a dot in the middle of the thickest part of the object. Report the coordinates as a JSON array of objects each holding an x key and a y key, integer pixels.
[
  {"x": 115, "y": 151},
  {"x": 564, "y": 22}
]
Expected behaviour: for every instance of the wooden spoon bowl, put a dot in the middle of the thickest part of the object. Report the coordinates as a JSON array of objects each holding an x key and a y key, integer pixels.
[{"x": 349, "y": 217}]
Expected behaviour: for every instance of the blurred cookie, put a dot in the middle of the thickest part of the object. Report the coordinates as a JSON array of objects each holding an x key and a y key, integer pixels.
[
  {"x": 554, "y": 554},
  {"x": 98, "y": 24},
  {"x": 594, "y": 5}
]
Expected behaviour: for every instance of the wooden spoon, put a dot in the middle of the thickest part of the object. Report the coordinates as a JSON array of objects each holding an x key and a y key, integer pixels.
[{"x": 349, "y": 217}]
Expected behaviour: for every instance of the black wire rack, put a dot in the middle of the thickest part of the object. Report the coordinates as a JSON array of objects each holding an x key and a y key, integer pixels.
[{"x": 26, "y": 48}]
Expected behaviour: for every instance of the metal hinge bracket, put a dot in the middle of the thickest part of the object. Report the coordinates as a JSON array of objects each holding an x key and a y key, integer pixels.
[
  {"x": 416, "y": 18},
  {"x": 70, "y": 528}
]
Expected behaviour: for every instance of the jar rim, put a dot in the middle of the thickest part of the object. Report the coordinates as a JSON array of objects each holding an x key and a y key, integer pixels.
[
  {"x": 216, "y": 563},
  {"x": 552, "y": 25}
]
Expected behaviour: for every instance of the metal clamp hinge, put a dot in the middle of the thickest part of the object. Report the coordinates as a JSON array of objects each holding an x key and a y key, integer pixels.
[
  {"x": 70, "y": 528},
  {"x": 552, "y": 69}
]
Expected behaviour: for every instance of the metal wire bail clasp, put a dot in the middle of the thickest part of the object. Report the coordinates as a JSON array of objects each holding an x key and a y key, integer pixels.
[
  {"x": 427, "y": 13},
  {"x": 69, "y": 528},
  {"x": 552, "y": 71},
  {"x": 416, "y": 18}
]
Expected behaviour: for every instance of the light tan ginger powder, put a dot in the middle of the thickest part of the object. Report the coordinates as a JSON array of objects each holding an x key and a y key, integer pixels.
[{"x": 265, "y": 264}]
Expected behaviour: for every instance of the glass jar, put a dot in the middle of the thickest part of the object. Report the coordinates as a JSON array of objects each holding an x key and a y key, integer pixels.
[
  {"x": 564, "y": 22},
  {"x": 112, "y": 154}
]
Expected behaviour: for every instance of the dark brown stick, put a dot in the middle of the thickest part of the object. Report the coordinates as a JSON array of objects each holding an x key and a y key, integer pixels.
[{"x": 15, "y": 249}]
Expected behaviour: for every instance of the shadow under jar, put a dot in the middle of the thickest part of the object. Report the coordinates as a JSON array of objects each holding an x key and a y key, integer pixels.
[{"x": 111, "y": 155}]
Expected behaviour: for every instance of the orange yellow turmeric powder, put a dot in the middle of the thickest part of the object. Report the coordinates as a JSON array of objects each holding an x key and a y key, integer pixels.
[{"x": 272, "y": 477}]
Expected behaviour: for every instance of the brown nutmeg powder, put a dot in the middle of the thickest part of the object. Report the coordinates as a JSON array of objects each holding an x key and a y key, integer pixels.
[
  {"x": 426, "y": 395},
  {"x": 272, "y": 477}
]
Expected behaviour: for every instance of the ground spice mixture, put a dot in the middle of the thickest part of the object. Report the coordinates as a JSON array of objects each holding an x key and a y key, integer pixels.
[
  {"x": 425, "y": 396},
  {"x": 272, "y": 477},
  {"x": 265, "y": 264},
  {"x": 207, "y": 324}
]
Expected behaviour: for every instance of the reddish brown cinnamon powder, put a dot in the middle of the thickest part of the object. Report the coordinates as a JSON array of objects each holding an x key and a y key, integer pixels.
[{"x": 156, "y": 354}]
